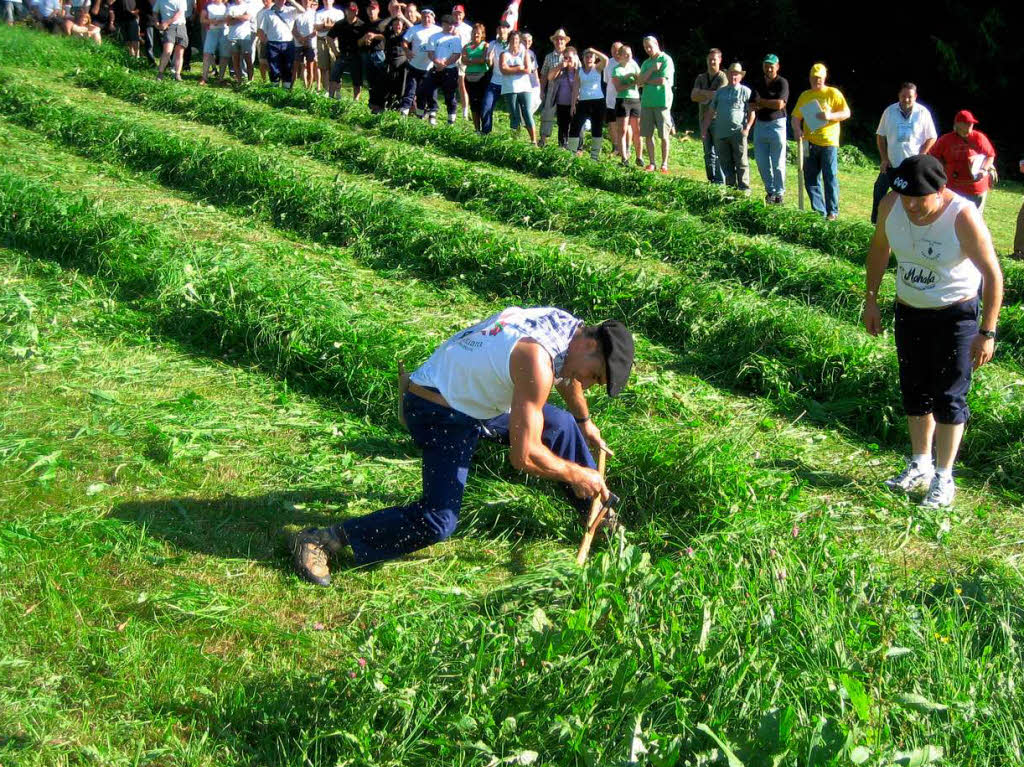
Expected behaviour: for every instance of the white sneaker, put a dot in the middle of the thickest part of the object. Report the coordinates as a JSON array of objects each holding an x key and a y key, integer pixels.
[
  {"x": 911, "y": 478},
  {"x": 451, "y": 119},
  {"x": 940, "y": 493},
  {"x": 403, "y": 112},
  {"x": 432, "y": 119}
]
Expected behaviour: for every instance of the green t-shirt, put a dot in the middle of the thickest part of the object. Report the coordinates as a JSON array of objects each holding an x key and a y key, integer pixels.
[
  {"x": 659, "y": 96},
  {"x": 628, "y": 73},
  {"x": 475, "y": 51}
]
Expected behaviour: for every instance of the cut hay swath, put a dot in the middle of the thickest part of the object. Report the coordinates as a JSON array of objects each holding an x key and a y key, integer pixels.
[
  {"x": 703, "y": 249},
  {"x": 799, "y": 357}
]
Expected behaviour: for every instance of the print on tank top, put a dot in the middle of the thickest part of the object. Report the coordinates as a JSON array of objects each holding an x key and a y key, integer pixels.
[{"x": 919, "y": 276}]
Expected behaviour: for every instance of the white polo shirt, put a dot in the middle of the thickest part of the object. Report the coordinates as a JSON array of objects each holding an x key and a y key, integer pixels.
[
  {"x": 465, "y": 32},
  {"x": 905, "y": 135},
  {"x": 418, "y": 38},
  {"x": 445, "y": 46},
  {"x": 277, "y": 23}
]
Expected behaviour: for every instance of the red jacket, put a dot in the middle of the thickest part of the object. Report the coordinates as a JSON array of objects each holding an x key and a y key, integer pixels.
[{"x": 956, "y": 154}]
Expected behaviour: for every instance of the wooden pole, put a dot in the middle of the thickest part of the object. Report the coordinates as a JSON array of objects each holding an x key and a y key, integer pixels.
[
  {"x": 594, "y": 518},
  {"x": 800, "y": 173}
]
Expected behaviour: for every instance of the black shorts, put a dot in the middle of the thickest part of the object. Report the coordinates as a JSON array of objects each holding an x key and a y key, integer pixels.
[
  {"x": 609, "y": 116},
  {"x": 933, "y": 347},
  {"x": 306, "y": 53},
  {"x": 130, "y": 30},
  {"x": 627, "y": 108}
]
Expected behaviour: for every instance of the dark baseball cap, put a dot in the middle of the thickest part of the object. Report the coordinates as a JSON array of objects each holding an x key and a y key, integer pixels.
[
  {"x": 617, "y": 345},
  {"x": 918, "y": 176}
]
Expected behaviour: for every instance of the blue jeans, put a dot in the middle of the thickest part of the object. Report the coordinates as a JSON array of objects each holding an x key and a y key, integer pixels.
[
  {"x": 491, "y": 98},
  {"x": 770, "y": 154},
  {"x": 415, "y": 79},
  {"x": 281, "y": 61},
  {"x": 448, "y": 439},
  {"x": 712, "y": 167},
  {"x": 821, "y": 167}
]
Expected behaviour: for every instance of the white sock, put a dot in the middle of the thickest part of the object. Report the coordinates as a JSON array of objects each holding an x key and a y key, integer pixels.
[
  {"x": 924, "y": 462},
  {"x": 944, "y": 472}
]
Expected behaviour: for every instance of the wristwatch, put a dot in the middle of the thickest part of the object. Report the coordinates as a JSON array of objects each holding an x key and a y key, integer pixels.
[{"x": 987, "y": 333}]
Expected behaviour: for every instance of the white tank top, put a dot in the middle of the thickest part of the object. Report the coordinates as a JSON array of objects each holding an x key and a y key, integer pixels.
[
  {"x": 471, "y": 369},
  {"x": 931, "y": 269},
  {"x": 590, "y": 84}
]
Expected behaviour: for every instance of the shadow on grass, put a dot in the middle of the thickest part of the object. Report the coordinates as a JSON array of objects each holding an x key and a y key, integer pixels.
[{"x": 826, "y": 480}]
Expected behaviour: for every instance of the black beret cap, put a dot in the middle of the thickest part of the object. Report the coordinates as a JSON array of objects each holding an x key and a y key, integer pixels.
[
  {"x": 918, "y": 176},
  {"x": 617, "y": 345}
]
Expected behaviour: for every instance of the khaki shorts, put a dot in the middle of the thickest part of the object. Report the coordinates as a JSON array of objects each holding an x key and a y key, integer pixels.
[
  {"x": 324, "y": 53},
  {"x": 655, "y": 121}
]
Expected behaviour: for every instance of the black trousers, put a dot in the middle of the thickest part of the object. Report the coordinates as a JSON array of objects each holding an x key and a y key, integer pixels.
[
  {"x": 934, "y": 351},
  {"x": 563, "y": 119},
  {"x": 592, "y": 108}
]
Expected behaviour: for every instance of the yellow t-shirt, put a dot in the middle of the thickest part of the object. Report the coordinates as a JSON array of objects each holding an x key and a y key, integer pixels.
[{"x": 828, "y": 134}]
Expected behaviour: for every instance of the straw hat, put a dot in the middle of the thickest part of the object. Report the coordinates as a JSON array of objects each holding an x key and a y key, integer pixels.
[{"x": 560, "y": 33}]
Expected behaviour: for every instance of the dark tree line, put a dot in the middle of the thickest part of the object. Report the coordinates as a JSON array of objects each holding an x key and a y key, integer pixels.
[{"x": 961, "y": 55}]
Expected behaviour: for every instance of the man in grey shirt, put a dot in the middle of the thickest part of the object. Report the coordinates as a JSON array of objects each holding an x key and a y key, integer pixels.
[{"x": 704, "y": 88}]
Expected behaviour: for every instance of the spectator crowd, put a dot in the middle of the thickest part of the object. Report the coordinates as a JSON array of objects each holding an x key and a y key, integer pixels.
[{"x": 410, "y": 59}]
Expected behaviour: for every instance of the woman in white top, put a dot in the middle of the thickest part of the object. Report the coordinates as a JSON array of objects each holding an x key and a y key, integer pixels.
[
  {"x": 238, "y": 31},
  {"x": 516, "y": 86},
  {"x": 588, "y": 102},
  {"x": 534, "y": 76},
  {"x": 943, "y": 255},
  {"x": 215, "y": 44}
]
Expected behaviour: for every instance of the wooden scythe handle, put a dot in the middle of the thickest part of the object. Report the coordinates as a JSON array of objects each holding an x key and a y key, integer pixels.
[{"x": 597, "y": 513}]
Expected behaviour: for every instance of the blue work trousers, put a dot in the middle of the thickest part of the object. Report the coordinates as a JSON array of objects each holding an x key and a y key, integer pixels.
[
  {"x": 821, "y": 169},
  {"x": 417, "y": 82},
  {"x": 491, "y": 98},
  {"x": 281, "y": 61},
  {"x": 770, "y": 154},
  {"x": 448, "y": 439},
  {"x": 712, "y": 167}
]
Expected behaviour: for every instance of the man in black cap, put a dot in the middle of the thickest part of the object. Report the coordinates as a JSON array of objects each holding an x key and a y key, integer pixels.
[
  {"x": 944, "y": 254},
  {"x": 491, "y": 380}
]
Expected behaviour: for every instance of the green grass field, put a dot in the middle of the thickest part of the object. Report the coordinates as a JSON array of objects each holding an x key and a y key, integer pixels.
[{"x": 204, "y": 294}]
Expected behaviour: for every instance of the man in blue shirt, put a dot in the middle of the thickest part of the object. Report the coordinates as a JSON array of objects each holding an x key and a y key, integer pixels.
[{"x": 729, "y": 117}]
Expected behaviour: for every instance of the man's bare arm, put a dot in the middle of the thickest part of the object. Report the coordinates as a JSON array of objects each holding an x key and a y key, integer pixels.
[
  {"x": 976, "y": 243},
  {"x": 532, "y": 379},
  {"x": 877, "y": 262}
]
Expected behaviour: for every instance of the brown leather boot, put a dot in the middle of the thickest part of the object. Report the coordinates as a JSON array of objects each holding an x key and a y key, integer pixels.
[{"x": 312, "y": 548}]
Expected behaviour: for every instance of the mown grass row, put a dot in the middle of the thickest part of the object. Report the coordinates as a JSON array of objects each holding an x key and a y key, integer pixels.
[
  {"x": 700, "y": 248},
  {"x": 799, "y": 357},
  {"x": 599, "y": 219},
  {"x": 844, "y": 239},
  {"x": 294, "y": 322},
  {"x": 557, "y": 662}
]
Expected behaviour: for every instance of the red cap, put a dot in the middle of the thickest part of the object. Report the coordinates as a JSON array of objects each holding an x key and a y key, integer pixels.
[
  {"x": 963, "y": 116},
  {"x": 458, "y": 8}
]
